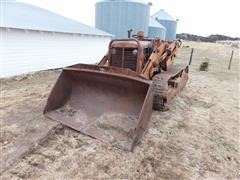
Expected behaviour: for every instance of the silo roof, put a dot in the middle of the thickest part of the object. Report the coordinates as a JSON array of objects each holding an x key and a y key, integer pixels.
[
  {"x": 163, "y": 15},
  {"x": 24, "y": 16},
  {"x": 154, "y": 23}
]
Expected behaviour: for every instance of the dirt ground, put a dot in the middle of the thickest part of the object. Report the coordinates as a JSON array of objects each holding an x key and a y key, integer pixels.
[{"x": 198, "y": 138}]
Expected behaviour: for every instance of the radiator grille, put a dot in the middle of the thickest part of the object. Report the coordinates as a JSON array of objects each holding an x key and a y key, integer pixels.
[{"x": 129, "y": 60}]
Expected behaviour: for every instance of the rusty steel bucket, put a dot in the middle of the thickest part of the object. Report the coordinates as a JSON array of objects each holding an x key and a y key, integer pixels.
[{"x": 110, "y": 104}]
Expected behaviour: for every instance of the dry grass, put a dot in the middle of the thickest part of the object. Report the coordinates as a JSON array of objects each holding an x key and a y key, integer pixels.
[{"x": 198, "y": 138}]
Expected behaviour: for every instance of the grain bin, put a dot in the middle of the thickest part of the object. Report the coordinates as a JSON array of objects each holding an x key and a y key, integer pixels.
[
  {"x": 168, "y": 22},
  {"x": 118, "y": 16},
  {"x": 156, "y": 30}
]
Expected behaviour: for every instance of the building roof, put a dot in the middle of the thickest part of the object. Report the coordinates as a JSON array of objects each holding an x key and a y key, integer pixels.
[
  {"x": 154, "y": 23},
  {"x": 163, "y": 15},
  {"x": 24, "y": 16}
]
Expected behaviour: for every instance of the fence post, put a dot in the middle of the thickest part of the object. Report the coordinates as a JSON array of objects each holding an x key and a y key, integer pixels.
[
  {"x": 190, "y": 60},
  {"x": 230, "y": 61}
]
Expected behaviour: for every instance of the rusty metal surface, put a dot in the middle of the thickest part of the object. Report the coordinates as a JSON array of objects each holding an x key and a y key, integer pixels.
[
  {"x": 171, "y": 82},
  {"x": 139, "y": 57},
  {"x": 105, "y": 69},
  {"x": 108, "y": 106},
  {"x": 180, "y": 82},
  {"x": 131, "y": 44}
]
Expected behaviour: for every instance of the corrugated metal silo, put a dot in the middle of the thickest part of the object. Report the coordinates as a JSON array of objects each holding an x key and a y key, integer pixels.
[
  {"x": 168, "y": 22},
  {"x": 118, "y": 16},
  {"x": 156, "y": 30}
]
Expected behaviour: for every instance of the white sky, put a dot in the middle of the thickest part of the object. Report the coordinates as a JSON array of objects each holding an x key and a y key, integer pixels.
[{"x": 200, "y": 17}]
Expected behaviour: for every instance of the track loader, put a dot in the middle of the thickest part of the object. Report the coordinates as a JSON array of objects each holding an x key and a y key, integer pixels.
[{"x": 113, "y": 101}]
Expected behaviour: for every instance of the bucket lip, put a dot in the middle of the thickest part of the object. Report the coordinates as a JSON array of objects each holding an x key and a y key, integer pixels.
[
  {"x": 114, "y": 74},
  {"x": 109, "y": 69},
  {"x": 138, "y": 136}
]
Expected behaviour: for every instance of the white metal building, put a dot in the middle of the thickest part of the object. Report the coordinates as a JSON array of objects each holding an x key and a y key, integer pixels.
[{"x": 34, "y": 39}]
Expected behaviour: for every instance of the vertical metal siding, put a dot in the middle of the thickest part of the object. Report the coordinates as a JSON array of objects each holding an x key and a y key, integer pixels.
[
  {"x": 156, "y": 32},
  {"x": 171, "y": 27},
  {"x": 116, "y": 17},
  {"x": 29, "y": 51}
]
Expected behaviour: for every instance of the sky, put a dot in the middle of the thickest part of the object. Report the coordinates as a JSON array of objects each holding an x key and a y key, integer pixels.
[{"x": 200, "y": 17}]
